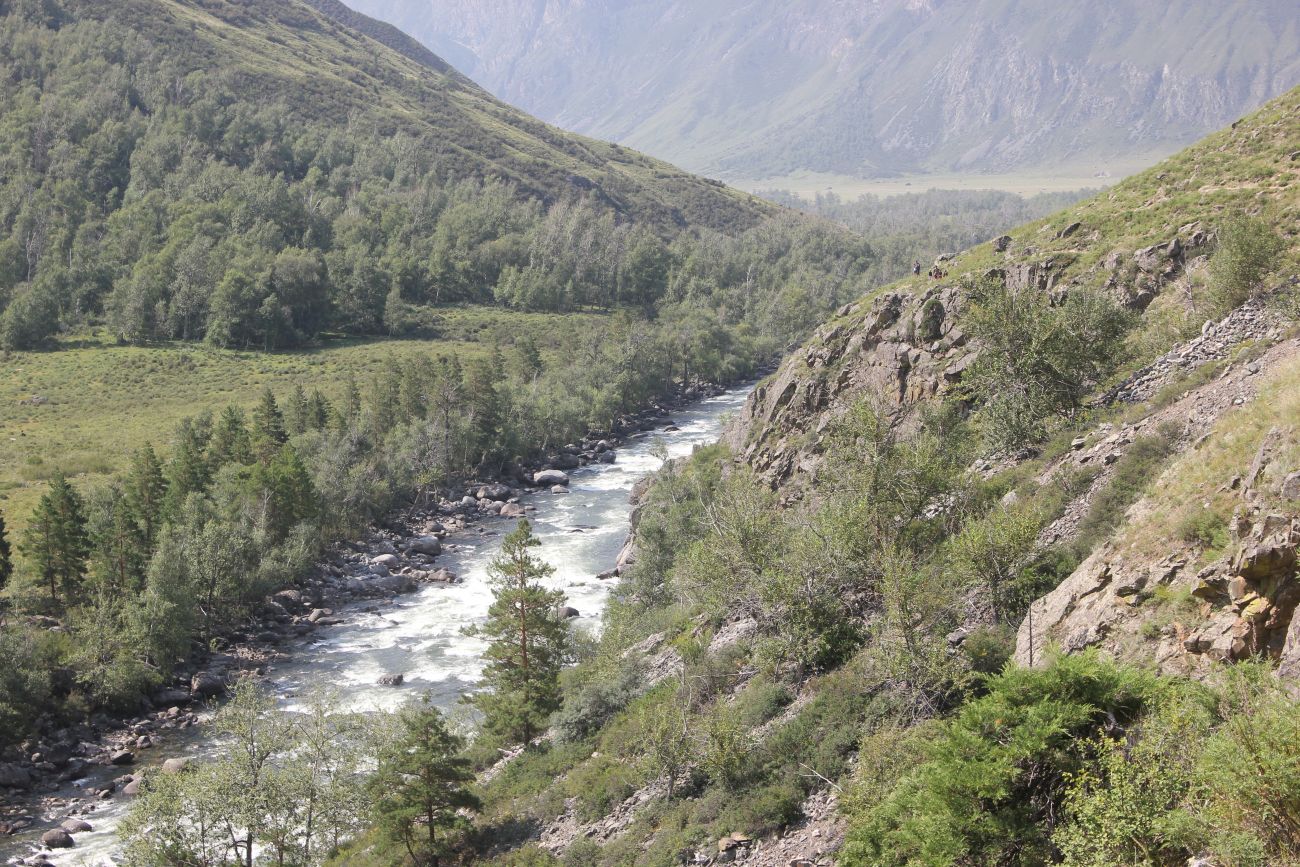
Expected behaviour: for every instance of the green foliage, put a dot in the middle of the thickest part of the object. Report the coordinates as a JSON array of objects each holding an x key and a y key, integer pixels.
[
  {"x": 527, "y": 643},
  {"x": 27, "y": 660},
  {"x": 1133, "y": 475},
  {"x": 1040, "y": 359},
  {"x": 1249, "y": 248},
  {"x": 56, "y": 541},
  {"x": 988, "y": 553},
  {"x": 1247, "y": 774},
  {"x": 999, "y": 770},
  {"x": 287, "y": 786},
  {"x": 421, "y": 788},
  {"x": 6, "y": 557}
]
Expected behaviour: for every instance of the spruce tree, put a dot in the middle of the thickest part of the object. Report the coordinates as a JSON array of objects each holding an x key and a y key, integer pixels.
[
  {"x": 56, "y": 540},
  {"x": 528, "y": 643},
  {"x": 188, "y": 471},
  {"x": 421, "y": 788},
  {"x": 318, "y": 411},
  {"x": 146, "y": 492},
  {"x": 120, "y": 553},
  {"x": 296, "y": 416},
  {"x": 231, "y": 443},
  {"x": 290, "y": 494},
  {"x": 268, "y": 427},
  {"x": 6, "y": 556}
]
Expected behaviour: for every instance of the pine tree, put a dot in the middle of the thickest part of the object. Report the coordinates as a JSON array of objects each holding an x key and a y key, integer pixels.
[
  {"x": 296, "y": 417},
  {"x": 6, "y": 556},
  {"x": 422, "y": 786},
  {"x": 56, "y": 538},
  {"x": 527, "y": 361},
  {"x": 268, "y": 427},
  {"x": 290, "y": 494},
  {"x": 318, "y": 411},
  {"x": 188, "y": 471},
  {"x": 528, "y": 643},
  {"x": 350, "y": 411},
  {"x": 120, "y": 554},
  {"x": 146, "y": 492},
  {"x": 231, "y": 442}
]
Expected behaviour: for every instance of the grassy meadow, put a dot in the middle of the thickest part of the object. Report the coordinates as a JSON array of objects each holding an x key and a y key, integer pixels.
[{"x": 97, "y": 400}]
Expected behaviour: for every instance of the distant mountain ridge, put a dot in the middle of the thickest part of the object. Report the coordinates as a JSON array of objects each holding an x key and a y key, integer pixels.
[{"x": 763, "y": 88}]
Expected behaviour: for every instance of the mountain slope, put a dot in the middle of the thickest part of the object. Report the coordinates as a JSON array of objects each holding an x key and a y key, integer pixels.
[
  {"x": 309, "y": 55},
  {"x": 808, "y": 659},
  {"x": 765, "y": 88}
]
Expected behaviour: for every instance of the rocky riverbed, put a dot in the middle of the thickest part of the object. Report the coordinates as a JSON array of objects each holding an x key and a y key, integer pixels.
[{"x": 380, "y": 619}]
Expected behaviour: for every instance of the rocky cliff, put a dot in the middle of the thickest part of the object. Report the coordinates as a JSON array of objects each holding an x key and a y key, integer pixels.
[
  {"x": 1161, "y": 587},
  {"x": 765, "y": 88}
]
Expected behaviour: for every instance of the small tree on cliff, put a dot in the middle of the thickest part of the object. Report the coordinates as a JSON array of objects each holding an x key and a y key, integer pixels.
[{"x": 528, "y": 643}]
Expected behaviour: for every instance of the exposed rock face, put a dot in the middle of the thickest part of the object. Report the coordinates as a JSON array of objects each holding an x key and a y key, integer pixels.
[
  {"x": 1244, "y": 604},
  {"x": 903, "y": 348}
]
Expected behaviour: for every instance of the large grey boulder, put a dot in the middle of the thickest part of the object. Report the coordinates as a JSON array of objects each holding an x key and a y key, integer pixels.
[
  {"x": 14, "y": 776},
  {"x": 549, "y": 478},
  {"x": 57, "y": 838},
  {"x": 206, "y": 684},
  {"x": 495, "y": 491},
  {"x": 430, "y": 546}
]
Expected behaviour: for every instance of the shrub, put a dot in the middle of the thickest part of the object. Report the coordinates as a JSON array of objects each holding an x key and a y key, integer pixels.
[
  {"x": 1247, "y": 252},
  {"x": 998, "y": 771},
  {"x": 591, "y": 705},
  {"x": 1038, "y": 360}
]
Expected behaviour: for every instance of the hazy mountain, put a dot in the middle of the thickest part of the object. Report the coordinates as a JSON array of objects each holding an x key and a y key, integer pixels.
[{"x": 762, "y": 87}]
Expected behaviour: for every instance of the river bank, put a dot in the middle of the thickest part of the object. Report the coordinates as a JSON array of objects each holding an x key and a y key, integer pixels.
[{"x": 333, "y": 628}]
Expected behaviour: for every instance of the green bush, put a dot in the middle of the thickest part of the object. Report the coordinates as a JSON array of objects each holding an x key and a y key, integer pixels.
[
  {"x": 997, "y": 773},
  {"x": 1248, "y": 250}
]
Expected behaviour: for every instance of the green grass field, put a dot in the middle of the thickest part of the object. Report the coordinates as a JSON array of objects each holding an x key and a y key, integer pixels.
[{"x": 101, "y": 400}]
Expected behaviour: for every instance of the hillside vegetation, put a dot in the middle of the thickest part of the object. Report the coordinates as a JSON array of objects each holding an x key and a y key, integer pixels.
[
  {"x": 255, "y": 174},
  {"x": 815, "y": 657},
  {"x": 216, "y": 220}
]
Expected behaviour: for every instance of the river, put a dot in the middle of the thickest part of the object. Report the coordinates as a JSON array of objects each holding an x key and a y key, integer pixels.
[{"x": 420, "y": 635}]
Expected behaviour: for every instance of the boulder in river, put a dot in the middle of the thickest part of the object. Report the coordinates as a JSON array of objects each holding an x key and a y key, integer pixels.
[
  {"x": 567, "y": 462},
  {"x": 75, "y": 825},
  {"x": 512, "y": 510},
  {"x": 430, "y": 546},
  {"x": 122, "y": 757},
  {"x": 57, "y": 838},
  {"x": 206, "y": 684},
  {"x": 391, "y": 680},
  {"x": 495, "y": 491},
  {"x": 549, "y": 478},
  {"x": 169, "y": 697},
  {"x": 388, "y": 561},
  {"x": 568, "y": 613}
]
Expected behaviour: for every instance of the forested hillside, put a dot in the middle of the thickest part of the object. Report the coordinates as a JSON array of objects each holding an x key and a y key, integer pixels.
[
  {"x": 964, "y": 583},
  {"x": 255, "y": 174},
  {"x": 768, "y": 88}
]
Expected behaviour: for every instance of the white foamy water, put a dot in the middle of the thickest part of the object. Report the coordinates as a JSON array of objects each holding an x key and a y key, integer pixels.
[{"x": 419, "y": 635}]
